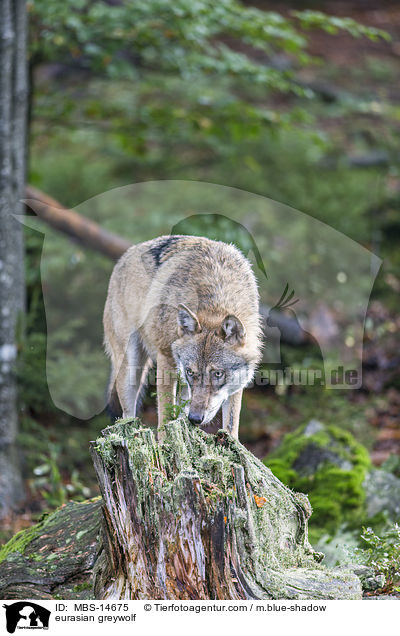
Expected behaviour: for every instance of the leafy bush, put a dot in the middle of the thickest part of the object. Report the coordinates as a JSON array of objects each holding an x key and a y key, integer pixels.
[{"x": 383, "y": 554}]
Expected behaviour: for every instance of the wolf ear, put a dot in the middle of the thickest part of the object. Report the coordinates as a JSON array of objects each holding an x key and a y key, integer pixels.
[
  {"x": 232, "y": 330},
  {"x": 188, "y": 322}
]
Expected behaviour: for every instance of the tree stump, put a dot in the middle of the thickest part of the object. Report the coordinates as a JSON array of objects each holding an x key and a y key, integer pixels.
[{"x": 197, "y": 516}]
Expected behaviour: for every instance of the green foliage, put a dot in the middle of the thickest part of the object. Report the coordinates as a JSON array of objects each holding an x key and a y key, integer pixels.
[
  {"x": 316, "y": 19},
  {"x": 174, "y": 411},
  {"x": 201, "y": 42},
  {"x": 334, "y": 485},
  {"x": 34, "y": 367},
  {"x": 257, "y": 166},
  {"x": 56, "y": 456},
  {"x": 48, "y": 481},
  {"x": 31, "y": 373},
  {"x": 383, "y": 554},
  {"x": 180, "y": 36},
  {"x": 31, "y": 362}
]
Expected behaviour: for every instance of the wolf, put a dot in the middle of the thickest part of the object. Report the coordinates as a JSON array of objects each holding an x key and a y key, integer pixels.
[{"x": 190, "y": 305}]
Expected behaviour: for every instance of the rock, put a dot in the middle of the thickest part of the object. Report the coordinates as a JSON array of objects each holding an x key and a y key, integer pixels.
[
  {"x": 329, "y": 465},
  {"x": 373, "y": 582},
  {"x": 313, "y": 427},
  {"x": 366, "y": 574}
]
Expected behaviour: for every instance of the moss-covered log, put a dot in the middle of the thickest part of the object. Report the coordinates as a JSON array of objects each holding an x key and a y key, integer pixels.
[
  {"x": 199, "y": 517},
  {"x": 55, "y": 558}
]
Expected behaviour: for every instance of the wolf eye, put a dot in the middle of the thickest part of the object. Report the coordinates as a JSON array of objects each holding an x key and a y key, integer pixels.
[
  {"x": 218, "y": 374},
  {"x": 189, "y": 372}
]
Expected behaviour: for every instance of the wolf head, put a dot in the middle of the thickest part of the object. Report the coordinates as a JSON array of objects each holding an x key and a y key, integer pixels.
[{"x": 212, "y": 361}]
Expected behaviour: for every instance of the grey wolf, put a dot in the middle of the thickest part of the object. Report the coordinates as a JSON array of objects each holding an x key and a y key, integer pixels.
[{"x": 191, "y": 306}]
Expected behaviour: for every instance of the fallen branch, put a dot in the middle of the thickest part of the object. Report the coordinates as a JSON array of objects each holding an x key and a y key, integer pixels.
[{"x": 77, "y": 227}]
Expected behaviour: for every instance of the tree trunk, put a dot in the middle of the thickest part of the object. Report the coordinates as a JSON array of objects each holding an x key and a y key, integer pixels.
[
  {"x": 199, "y": 517},
  {"x": 13, "y": 94}
]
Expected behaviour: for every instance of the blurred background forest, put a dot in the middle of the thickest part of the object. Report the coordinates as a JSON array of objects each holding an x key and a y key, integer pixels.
[{"x": 296, "y": 101}]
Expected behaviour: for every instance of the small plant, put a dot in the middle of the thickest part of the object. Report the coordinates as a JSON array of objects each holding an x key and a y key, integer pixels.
[
  {"x": 49, "y": 483},
  {"x": 174, "y": 411},
  {"x": 383, "y": 554},
  {"x": 47, "y": 480}
]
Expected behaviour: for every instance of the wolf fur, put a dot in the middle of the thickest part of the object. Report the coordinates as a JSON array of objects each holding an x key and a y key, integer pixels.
[{"x": 190, "y": 305}]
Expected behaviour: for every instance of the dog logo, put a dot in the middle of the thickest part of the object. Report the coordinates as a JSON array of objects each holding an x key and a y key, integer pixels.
[{"x": 26, "y": 615}]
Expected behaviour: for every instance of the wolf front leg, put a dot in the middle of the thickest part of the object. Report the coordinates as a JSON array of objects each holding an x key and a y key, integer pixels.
[
  {"x": 166, "y": 388},
  {"x": 231, "y": 413}
]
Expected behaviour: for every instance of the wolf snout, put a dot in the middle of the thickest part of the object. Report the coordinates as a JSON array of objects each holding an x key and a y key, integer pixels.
[{"x": 196, "y": 418}]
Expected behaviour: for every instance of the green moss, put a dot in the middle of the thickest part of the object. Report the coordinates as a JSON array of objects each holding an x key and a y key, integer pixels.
[
  {"x": 81, "y": 587},
  {"x": 334, "y": 484},
  {"x": 23, "y": 538},
  {"x": 20, "y": 540}
]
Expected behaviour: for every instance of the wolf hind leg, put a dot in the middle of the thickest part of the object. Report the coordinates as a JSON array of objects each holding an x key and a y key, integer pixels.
[
  {"x": 231, "y": 413},
  {"x": 131, "y": 378}
]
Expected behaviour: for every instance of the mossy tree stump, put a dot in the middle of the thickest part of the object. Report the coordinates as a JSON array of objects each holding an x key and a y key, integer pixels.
[{"x": 199, "y": 517}]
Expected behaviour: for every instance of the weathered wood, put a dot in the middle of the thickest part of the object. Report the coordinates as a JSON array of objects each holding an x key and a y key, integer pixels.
[
  {"x": 55, "y": 558},
  {"x": 199, "y": 517}
]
